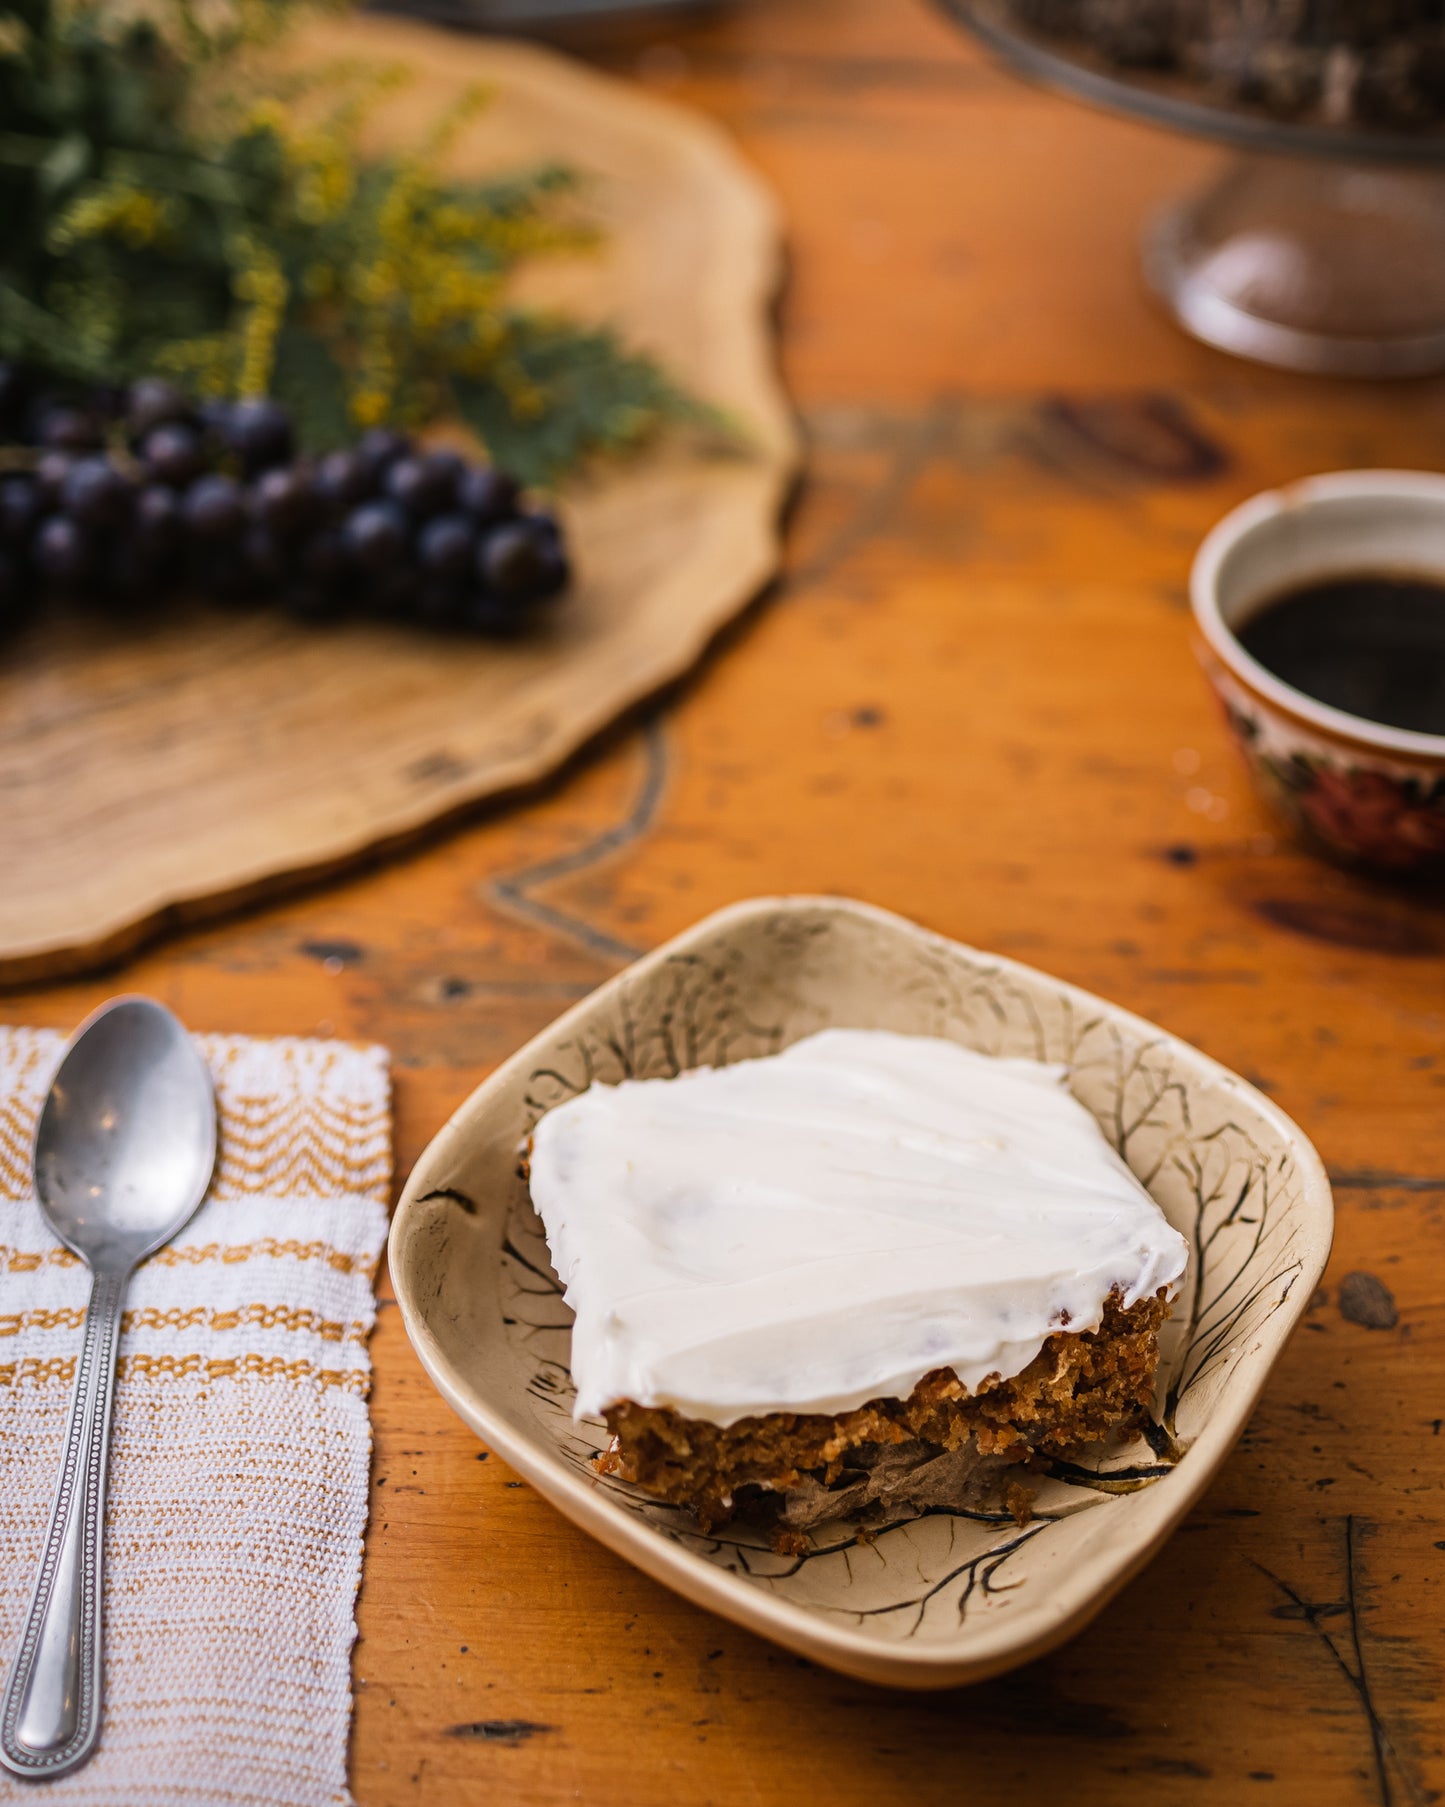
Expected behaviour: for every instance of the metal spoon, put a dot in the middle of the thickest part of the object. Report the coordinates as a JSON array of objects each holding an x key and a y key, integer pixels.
[{"x": 123, "y": 1156}]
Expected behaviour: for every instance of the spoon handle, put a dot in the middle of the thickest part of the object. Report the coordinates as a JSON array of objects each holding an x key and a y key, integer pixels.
[{"x": 51, "y": 1715}]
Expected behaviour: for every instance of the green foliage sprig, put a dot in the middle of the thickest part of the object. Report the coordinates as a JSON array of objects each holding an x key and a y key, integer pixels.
[{"x": 160, "y": 216}]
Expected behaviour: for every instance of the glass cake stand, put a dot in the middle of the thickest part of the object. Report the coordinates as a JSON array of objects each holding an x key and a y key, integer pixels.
[{"x": 1320, "y": 248}]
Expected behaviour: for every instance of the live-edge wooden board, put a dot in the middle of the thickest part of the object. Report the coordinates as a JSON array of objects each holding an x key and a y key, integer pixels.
[{"x": 157, "y": 772}]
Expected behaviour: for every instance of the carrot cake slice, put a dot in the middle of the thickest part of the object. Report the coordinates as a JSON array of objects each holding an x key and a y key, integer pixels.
[{"x": 873, "y": 1273}]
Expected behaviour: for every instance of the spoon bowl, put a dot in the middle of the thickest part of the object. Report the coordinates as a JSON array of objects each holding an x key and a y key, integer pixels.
[
  {"x": 127, "y": 1136},
  {"x": 124, "y": 1152}
]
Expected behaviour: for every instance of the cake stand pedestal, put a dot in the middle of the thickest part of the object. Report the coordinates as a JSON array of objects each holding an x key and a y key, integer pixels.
[
  {"x": 1319, "y": 248},
  {"x": 1309, "y": 266}
]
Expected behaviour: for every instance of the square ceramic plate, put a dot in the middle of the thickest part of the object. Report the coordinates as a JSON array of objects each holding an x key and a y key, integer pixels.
[{"x": 946, "y": 1598}]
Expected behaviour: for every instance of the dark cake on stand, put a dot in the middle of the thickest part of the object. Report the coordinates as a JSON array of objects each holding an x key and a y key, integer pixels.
[{"x": 1372, "y": 62}]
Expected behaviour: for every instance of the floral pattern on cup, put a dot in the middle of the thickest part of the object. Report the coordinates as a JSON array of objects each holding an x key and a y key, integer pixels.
[{"x": 1361, "y": 813}]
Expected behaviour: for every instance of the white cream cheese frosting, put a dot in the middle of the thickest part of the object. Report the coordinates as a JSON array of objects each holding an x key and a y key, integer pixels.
[{"x": 825, "y": 1226}]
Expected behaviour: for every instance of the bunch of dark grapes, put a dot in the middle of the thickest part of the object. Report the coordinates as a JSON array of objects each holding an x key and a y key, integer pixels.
[{"x": 129, "y": 495}]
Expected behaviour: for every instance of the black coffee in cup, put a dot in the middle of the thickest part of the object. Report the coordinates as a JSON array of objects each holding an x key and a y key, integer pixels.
[{"x": 1372, "y": 644}]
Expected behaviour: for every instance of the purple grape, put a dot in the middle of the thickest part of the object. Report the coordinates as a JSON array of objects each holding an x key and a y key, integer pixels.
[
  {"x": 323, "y": 558},
  {"x": 174, "y": 453},
  {"x": 378, "y": 448},
  {"x": 557, "y": 567},
  {"x": 61, "y": 552},
  {"x": 439, "y": 603},
  {"x": 283, "y": 501},
  {"x": 215, "y": 415},
  {"x": 106, "y": 400},
  {"x": 50, "y": 475},
  {"x": 444, "y": 547},
  {"x": 265, "y": 558},
  {"x": 153, "y": 402},
  {"x": 310, "y": 602},
  {"x": 96, "y": 493},
  {"x": 421, "y": 486},
  {"x": 218, "y": 572},
  {"x": 513, "y": 563},
  {"x": 12, "y": 588},
  {"x": 487, "y": 495},
  {"x": 447, "y": 468},
  {"x": 66, "y": 429},
  {"x": 128, "y": 574},
  {"x": 157, "y": 521},
  {"x": 343, "y": 479},
  {"x": 213, "y": 509},
  {"x": 20, "y": 507},
  {"x": 389, "y": 594},
  {"x": 499, "y": 617},
  {"x": 557, "y": 573},
  {"x": 259, "y": 432},
  {"x": 375, "y": 537},
  {"x": 447, "y": 462}
]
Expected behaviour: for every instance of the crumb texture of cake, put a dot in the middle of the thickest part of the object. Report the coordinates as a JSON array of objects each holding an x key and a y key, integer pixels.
[
  {"x": 817, "y": 1230},
  {"x": 941, "y": 1448}
]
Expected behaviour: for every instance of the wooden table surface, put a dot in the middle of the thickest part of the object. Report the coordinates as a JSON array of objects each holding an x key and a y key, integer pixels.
[{"x": 970, "y": 699}]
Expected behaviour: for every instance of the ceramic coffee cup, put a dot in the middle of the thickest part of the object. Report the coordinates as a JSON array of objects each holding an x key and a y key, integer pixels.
[{"x": 1359, "y": 791}]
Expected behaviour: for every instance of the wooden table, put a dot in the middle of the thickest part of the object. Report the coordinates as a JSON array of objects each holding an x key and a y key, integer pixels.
[{"x": 971, "y": 699}]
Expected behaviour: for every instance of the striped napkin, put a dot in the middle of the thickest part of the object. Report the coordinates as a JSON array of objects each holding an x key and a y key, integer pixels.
[{"x": 238, "y": 1479}]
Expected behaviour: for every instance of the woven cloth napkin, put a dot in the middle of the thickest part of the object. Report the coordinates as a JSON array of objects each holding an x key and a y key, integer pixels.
[{"x": 238, "y": 1475}]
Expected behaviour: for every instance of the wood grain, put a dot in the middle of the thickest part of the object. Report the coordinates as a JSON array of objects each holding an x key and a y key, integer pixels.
[
  {"x": 156, "y": 770},
  {"x": 972, "y": 700}
]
